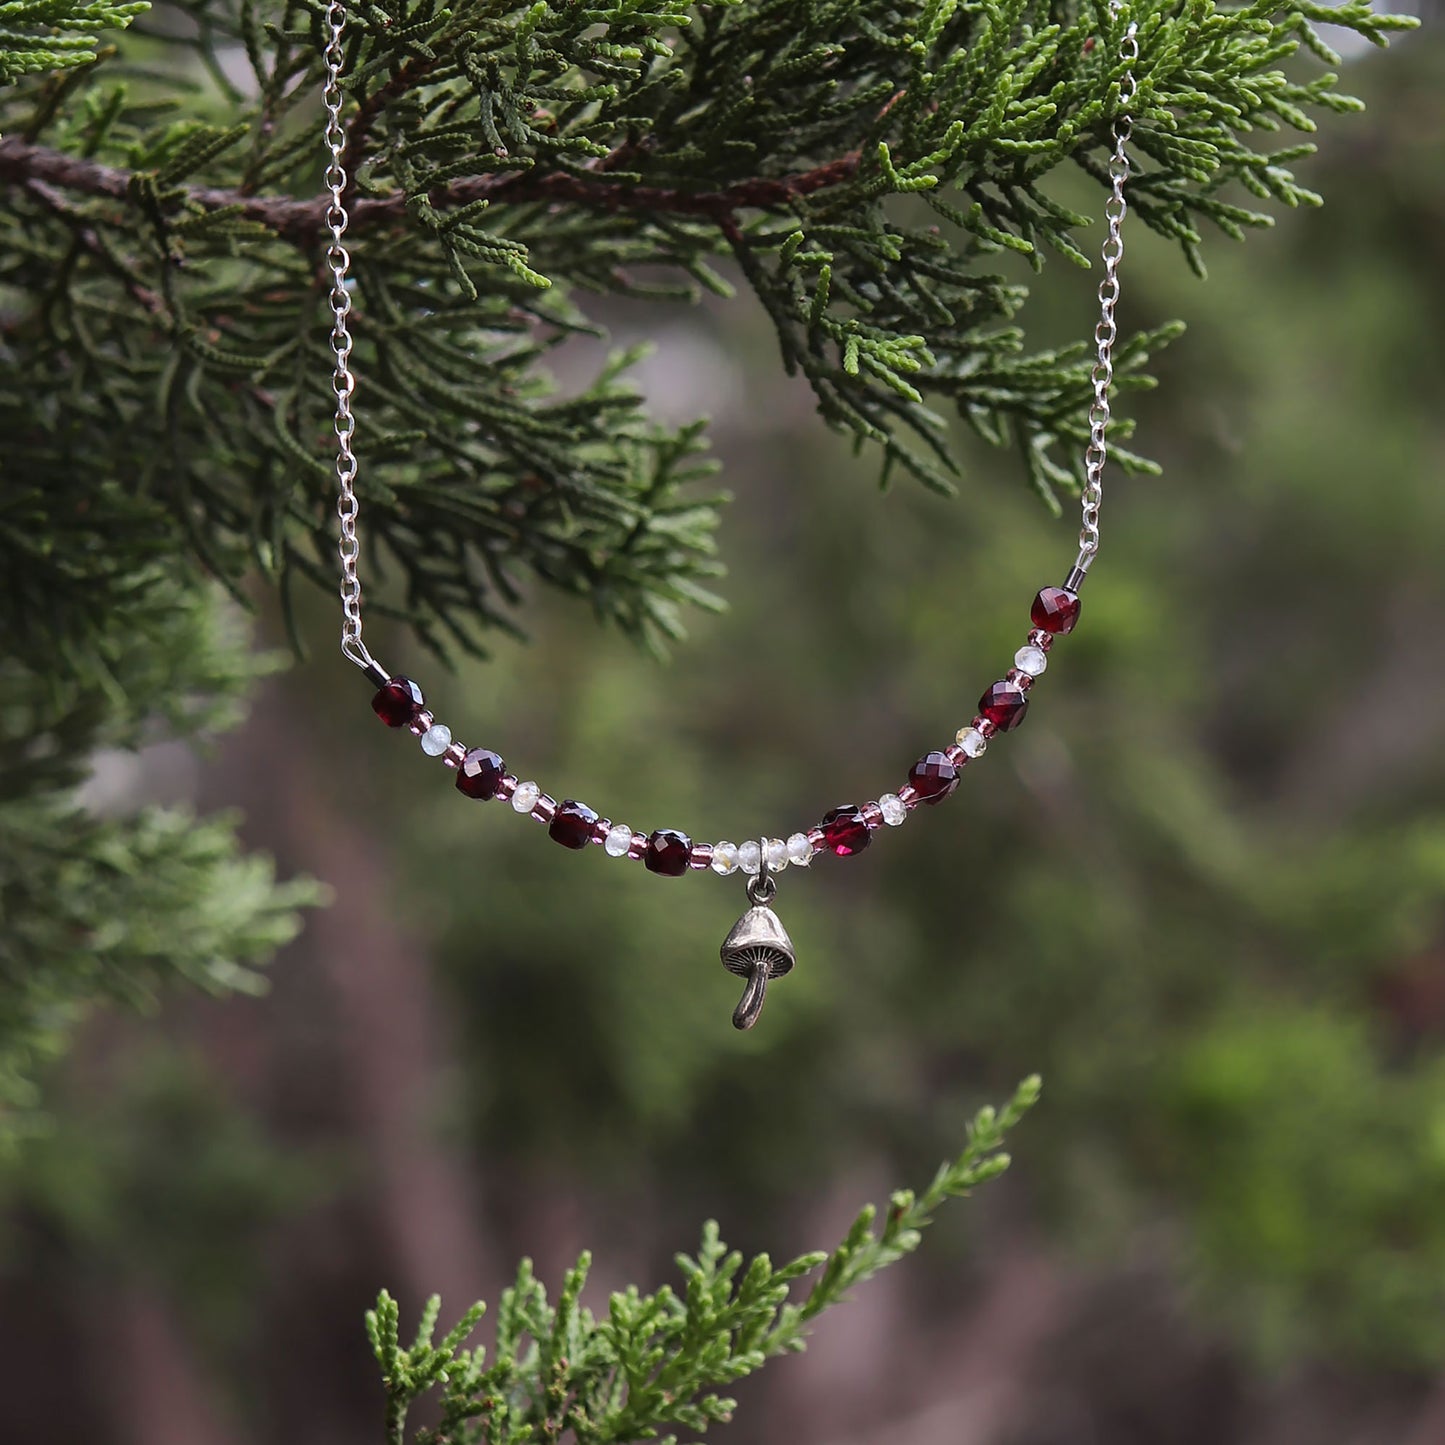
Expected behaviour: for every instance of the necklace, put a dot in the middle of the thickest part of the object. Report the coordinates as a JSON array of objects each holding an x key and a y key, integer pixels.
[{"x": 757, "y": 948}]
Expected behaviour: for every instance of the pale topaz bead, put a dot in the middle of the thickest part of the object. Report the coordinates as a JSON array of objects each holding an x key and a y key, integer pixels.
[
  {"x": 436, "y": 740},
  {"x": 1030, "y": 660},
  {"x": 972, "y": 742}
]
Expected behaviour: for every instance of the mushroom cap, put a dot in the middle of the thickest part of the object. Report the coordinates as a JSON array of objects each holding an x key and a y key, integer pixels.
[{"x": 758, "y": 936}]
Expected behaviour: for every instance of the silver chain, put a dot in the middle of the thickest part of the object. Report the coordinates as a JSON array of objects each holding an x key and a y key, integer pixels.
[
  {"x": 1106, "y": 332},
  {"x": 343, "y": 383}
]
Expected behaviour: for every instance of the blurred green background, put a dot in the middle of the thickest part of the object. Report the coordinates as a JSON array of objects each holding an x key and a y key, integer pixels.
[{"x": 1200, "y": 892}]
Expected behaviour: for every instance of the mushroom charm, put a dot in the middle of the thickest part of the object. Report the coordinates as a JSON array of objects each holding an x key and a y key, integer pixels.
[{"x": 757, "y": 949}]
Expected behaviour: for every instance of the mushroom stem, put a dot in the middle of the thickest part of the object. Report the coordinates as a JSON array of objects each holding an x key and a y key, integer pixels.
[{"x": 750, "y": 1006}]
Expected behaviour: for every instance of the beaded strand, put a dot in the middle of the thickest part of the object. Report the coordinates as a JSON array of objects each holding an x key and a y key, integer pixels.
[{"x": 844, "y": 831}]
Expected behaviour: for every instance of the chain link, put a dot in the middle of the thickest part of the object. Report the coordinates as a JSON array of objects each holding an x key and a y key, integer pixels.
[
  {"x": 343, "y": 383},
  {"x": 1106, "y": 331}
]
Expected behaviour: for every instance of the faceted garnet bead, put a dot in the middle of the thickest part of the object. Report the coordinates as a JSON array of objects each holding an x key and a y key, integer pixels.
[
  {"x": 844, "y": 831},
  {"x": 933, "y": 777},
  {"x": 668, "y": 852},
  {"x": 572, "y": 824},
  {"x": 1004, "y": 705},
  {"x": 480, "y": 774},
  {"x": 1055, "y": 609},
  {"x": 397, "y": 702}
]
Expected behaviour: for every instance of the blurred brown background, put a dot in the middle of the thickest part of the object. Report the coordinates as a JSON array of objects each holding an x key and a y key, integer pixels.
[{"x": 1200, "y": 892}]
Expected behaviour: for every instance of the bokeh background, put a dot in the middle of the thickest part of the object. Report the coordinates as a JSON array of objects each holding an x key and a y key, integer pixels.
[{"x": 1200, "y": 892}]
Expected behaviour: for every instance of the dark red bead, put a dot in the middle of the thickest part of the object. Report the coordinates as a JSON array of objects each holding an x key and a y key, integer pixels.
[
  {"x": 845, "y": 832},
  {"x": 480, "y": 774},
  {"x": 1004, "y": 705},
  {"x": 572, "y": 824},
  {"x": 933, "y": 777},
  {"x": 397, "y": 702},
  {"x": 668, "y": 852},
  {"x": 1055, "y": 609}
]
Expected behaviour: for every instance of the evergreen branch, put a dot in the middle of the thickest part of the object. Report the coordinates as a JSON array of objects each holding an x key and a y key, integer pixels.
[
  {"x": 859, "y": 163},
  {"x": 653, "y": 1362},
  {"x": 37, "y": 36},
  {"x": 304, "y": 220}
]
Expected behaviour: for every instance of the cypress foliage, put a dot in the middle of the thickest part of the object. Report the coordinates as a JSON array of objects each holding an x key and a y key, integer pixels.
[
  {"x": 655, "y": 1361},
  {"x": 857, "y": 166},
  {"x": 37, "y": 36}
]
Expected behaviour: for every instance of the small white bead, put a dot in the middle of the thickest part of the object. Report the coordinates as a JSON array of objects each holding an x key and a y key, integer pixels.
[
  {"x": 618, "y": 841},
  {"x": 725, "y": 858},
  {"x": 972, "y": 742},
  {"x": 750, "y": 858},
  {"x": 893, "y": 809},
  {"x": 525, "y": 798},
  {"x": 1030, "y": 660},
  {"x": 800, "y": 850},
  {"x": 776, "y": 852},
  {"x": 436, "y": 740}
]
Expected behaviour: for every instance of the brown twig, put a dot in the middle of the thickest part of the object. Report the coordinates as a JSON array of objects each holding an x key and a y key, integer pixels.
[
  {"x": 358, "y": 132},
  {"x": 303, "y": 220},
  {"x": 89, "y": 242}
]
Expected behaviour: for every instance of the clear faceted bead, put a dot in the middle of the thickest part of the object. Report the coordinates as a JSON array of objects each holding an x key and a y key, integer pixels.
[
  {"x": 776, "y": 852},
  {"x": 619, "y": 840},
  {"x": 1030, "y": 660},
  {"x": 750, "y": 858},
  {"x": 972, "y": 742},
  {"x": 800, "y": 850},
  {"x": 524, "y": 799},
  {"x": 892, "y": 808},
  {"x": 436, "y": 740},
  {"x": 725, "y": 858}
]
